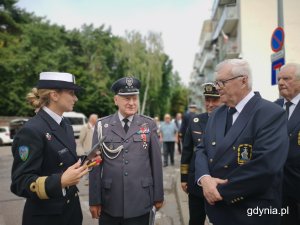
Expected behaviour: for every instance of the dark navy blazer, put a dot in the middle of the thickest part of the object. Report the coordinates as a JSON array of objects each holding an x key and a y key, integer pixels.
[
  {"x": 251, "y": 156},
  {"x": 291, "y": 184}
]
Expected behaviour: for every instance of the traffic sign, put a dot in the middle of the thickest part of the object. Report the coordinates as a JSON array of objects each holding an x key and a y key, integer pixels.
[
  {"x": 276, "y": 65},
  {"x": 277, "y": 55},
  {"x": 277, "y": 39}
]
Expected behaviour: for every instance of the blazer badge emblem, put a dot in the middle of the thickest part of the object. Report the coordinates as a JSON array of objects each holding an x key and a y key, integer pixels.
[{"x": 244, "y": 153}]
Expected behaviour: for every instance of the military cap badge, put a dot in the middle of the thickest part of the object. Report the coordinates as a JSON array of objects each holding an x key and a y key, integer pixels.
[{"x": 129, "y": 81}]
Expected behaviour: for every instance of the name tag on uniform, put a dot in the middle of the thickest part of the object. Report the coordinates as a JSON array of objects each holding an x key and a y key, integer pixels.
[{"x": 63, "y": 151}]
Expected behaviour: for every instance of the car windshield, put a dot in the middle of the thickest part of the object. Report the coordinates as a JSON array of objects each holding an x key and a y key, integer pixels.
[{"x": 2, "y": 130}]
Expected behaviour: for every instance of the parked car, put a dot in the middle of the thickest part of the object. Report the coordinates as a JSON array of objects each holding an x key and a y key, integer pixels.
[
  {"x": 77, "y": 120},
  {"x": 5, "y": 135},
  {"x": 15, "y": 125}
]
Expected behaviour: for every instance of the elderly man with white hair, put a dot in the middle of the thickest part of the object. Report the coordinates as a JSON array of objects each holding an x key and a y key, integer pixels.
[
  {"x": 289, "y": 88},
  {"x": 240, "y": 161}
]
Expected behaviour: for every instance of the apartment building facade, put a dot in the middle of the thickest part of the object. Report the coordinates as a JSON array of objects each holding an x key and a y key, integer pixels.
[{"x": 243, "y": 29}]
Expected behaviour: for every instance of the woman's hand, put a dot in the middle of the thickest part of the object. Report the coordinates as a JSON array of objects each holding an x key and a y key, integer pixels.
[{"x": 73, "y": 174}]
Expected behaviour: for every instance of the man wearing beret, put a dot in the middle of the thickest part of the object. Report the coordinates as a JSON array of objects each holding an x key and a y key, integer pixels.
[
  {"x": 129, "y": 182},
  {"x": 193, "y": 137}
]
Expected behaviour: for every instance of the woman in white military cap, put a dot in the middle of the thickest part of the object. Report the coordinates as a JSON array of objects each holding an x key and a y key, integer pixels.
[{"x": 46, "y": 169}]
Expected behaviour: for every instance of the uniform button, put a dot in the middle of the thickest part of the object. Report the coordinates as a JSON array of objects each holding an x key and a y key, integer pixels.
[
  {"x": 233, "y": 148},
  {"x": 126, "y": 141},
  {"x": 61, "y": 164},
  {"x": 213, "y": 143},
  {"x": 199, "y": 139},
  {"x": 211, "y": 160},
  {"x": 242, "y": 198},
  {"x": 125, "y": 174},
  {"x": 126, "y": 150},
  {"x": 126, "y": 162},
  {"x": 68, "y": 201},
  {"x": 76, "y": 194},
  {"x": 290, "y": 135},
  {"x": 232, "y": 201},
  {"x": 226, "y": 166}
]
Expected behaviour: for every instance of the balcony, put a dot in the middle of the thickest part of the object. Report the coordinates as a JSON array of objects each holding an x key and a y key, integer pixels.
[
  {"x": 230, "y": 49},
  {"x": 218, "y": 3},
  {"x": 208, "y": 61},
  {"x": 228, "y": 21}
]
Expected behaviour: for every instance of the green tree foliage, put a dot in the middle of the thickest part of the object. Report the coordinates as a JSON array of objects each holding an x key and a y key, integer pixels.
[{"x": 30, "y": 45}]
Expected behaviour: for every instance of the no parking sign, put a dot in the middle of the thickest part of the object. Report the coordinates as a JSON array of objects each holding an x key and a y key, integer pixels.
[
  {"x": 277, "y": 39},
  {"x": 277, "y": 58}
]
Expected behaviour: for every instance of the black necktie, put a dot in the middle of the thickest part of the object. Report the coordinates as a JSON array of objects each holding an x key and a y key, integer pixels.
[
  {"x": 230, "y": 112},
  {"x": 126, "y": 127},
  {"x": 63, "y": 124},
  {"x": 287, "y": 108}
]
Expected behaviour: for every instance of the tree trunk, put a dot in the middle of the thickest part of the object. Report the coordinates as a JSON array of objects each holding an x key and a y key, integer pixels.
[{"x": 145, "y": 94}]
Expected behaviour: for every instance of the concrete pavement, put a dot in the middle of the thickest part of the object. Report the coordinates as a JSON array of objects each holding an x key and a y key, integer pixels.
[{"x": 174, "y": 212}]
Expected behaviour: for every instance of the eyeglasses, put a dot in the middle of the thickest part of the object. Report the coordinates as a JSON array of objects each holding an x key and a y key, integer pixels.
[{"x": 221, "y": 83}]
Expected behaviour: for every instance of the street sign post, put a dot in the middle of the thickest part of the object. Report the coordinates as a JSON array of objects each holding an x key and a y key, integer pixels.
[{"x": 278, "y": 57}]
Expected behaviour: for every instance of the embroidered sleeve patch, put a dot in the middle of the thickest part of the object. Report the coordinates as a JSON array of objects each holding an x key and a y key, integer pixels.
[{"x": 23, "y": 152}]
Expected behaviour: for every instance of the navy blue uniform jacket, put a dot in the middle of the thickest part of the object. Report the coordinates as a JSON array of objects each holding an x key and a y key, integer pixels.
[
  {"x": 193, "y": 137},
  {"x": 50, "y": 152},
  {"x": 291, "y": 184},
  {"x": 251, "y": 156}
]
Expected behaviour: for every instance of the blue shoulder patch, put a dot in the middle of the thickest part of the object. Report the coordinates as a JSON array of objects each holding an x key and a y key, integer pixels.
[{"x": 23, "y": 152}]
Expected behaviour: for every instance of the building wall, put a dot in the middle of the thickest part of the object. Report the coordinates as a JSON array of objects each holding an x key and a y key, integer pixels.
[{"x": 258, "y": 19}]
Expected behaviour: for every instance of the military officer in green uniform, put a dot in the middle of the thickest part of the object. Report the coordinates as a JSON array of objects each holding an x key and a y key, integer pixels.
[
  {"x": 193, "y": 137},
  {"x": 129, "y": 183}
]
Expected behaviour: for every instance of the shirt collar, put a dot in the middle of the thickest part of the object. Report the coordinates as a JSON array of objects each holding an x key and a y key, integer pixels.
[
  {"x": 121, "y": 117},
  {"x": 295, "y": 100},
  {"x": 239, "y": 107},
  {"x": 52, "y": 114}
]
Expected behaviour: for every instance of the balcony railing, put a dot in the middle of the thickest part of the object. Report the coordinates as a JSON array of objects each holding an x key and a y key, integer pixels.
[{"x": 218, "y": 3}]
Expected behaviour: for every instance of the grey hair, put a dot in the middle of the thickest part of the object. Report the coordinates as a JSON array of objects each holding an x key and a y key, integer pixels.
[
  {"x": 296, "y": 66},
  {"x": 239, "y": 67}
]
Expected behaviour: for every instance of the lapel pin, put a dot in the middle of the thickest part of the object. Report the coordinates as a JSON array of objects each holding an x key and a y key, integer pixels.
[{"x": 48, "y": 136}]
